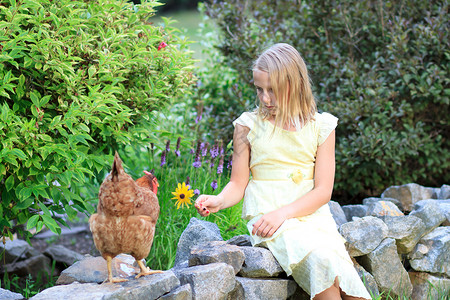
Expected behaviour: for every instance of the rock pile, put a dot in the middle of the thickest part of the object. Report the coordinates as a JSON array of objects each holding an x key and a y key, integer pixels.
[{"x": 400, "y": 245}]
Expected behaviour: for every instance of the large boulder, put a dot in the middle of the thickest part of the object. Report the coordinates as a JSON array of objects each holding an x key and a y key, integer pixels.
[
  {"x": 146, "y": 287},
  {"x": 408, "y": 194},
  {"x": 385, "y": 266},
  {"x": 183, "y": 292},
  {"x": 5, "y": 294},
  {"x": 337, "y": 213},
  {"x": 363, "y": 235},
  {"x": 406, "y": 230},
  {"x": 354, "y": 210},
  {"x": 208, "y": 282},
  {"x": 370, "y": 200},
  {"x": 432, "y": 253},
  {"x": 196, "y": 232},
  {"x": 264, "y": 289},
  {"x": 216, "y": 252},
  {"x": 36, "y": 266},
  {"x": 259, "y": 262},
  {"x": 430, "y": 212}
]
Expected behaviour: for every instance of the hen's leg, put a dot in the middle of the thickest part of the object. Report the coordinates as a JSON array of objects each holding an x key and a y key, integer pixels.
[
  {"x": 110, "y": 277},
  {"x": 145, "y": 270}
]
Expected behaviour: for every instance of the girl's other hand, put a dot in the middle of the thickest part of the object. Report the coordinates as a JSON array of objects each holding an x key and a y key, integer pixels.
[
  {"x": 207, "y": 204},
  {"x": 268, "y": 224}
]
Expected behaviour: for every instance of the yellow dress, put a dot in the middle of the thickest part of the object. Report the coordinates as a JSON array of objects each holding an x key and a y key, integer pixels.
[{"x": 282, "y": 170}]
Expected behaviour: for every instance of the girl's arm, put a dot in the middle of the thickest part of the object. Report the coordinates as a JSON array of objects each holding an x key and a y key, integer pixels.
[
  {"x": 233, "y": 192},
  {"x": 311, "y": 201}
]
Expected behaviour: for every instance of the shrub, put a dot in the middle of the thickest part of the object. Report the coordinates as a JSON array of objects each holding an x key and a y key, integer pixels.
[
  {"x": 380, "y": 66},
  {"x": 76, "y": 80}
]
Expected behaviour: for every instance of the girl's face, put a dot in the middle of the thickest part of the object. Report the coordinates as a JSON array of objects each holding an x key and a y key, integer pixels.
[{"x": 264, "y": 91}]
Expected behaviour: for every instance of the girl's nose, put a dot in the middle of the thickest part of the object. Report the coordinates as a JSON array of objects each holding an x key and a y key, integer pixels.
[{"x": 265, "y": 98}]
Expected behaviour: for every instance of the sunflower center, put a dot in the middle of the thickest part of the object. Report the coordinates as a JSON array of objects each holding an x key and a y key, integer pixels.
[{"x": 182, "y": 196}]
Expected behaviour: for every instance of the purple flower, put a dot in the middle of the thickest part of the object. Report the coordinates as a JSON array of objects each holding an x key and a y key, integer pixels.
[
  {"x": 196, "y": 192},
  {"x": 168, "y": 146},
  {"x": 220, "y": 166},
  {"x": 211, "y": 165},
  {"x": 198, "y": 119},
  {"x": 197, "y": 163},
  {"x": 214, "y": 151},
  {"x": 230, "y": 163},
  {"x": 163, "y": 158},
  {"x": 177, "y": 150},
  {"x": 214, "y": 184},
  {"x": 205, "y": 148}
]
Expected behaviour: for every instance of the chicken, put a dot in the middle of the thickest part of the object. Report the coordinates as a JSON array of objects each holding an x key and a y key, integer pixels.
[{"x": 126, "y": 216}]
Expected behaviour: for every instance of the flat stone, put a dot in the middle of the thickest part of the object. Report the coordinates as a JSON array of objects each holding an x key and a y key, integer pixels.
[
  {"x": 209, "y": 282},
  {"x": 215, "y": 252},
  {"x": 385, "y": 266},
  {"x": 240, "y": 240},
  {"x": 383, "y": 208},
  {"x": 37, "y": 266},
  {"x": 16, "y": 250},
  {"x": 145, "y": 287},
  {"x": 196, "y": 232},
  {"x": 430, "y": 212},
  {"x": 354, "y": 210},
  {"x": 93, "y": 269},
  {"x": 259, "y": 262},
  {"x": 337, "y": 212},
  {"x": 5, "y": 294},
  {"x": 406, "y": 230},
  {"x": 370, "y": 200},
  {"x": 61, "y": 254},
  {"x": 183, "y": 292},
  {"x": 64, "y": 231},
  {"x": 266, "y": 289},
  {"x": 432, "y": 253},
  {"x": 408, "y": 194},
  {"x": 427, "y": 286},
  {"x": 363, "y": 235}
]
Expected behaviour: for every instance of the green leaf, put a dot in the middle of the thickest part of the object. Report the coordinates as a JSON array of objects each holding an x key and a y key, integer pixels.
[
  {"x": 9, "y": 182},
  {"x": 44, "y": 209},
  {"x": 51, "y": 224},
  {"x": 26, "y": 203},
  {"x": 32, "y": 222}
]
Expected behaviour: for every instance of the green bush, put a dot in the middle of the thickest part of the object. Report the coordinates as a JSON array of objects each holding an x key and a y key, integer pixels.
[
  {"x": 77, "y": 78},
  {"x": 380, "y": 66}
]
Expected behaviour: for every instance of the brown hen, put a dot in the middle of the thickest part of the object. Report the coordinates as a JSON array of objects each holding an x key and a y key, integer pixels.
[{"x": 126, "y": 216}]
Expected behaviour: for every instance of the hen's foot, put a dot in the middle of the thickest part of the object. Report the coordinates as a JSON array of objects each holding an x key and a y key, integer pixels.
[
  {"x": 115, "y": 280},
  {"x": 145, "y": 270}
]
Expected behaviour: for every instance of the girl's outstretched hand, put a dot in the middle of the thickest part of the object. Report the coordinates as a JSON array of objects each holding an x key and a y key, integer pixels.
[
  {"x": 206, "y": 204},
  {"x": 269, "y": 223}
]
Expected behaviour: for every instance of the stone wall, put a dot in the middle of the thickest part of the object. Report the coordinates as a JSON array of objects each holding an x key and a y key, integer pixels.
[{"x": 400, "y": 245}]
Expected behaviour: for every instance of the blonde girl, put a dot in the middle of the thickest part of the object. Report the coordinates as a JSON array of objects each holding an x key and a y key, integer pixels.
[{"x": 288, "y": 149}]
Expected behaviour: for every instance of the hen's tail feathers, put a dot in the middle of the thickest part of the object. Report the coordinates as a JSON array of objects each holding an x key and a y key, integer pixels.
[{"x": 116, "y": 167}]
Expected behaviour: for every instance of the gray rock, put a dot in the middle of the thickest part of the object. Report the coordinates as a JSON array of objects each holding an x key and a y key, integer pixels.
[
  {"x": 146, "y": 287},
  {"x": 430, "y": 213},
  {"x": 385, "y": 266},
  {"x": 370, "y": 200},
  {"x": 64, "y": 231},
  {"x": 432, "y": 253},
  {"x": 444, "y": 206},
  {"x": 266, "y": 289},
  {"x": 216, "y": 252},
  {"x": 363, "y": 235},
  {"x": 5, "y": 294},
  {"x": 354, "y": 210},
  {"x": 93, "y": 269},
  {"x": 383, "y": 208},
  {"x": 367, "y": 279},
  {"x": 259, "y": 262},
  {"x": 337, "y": 212},
  {"x": 16, "y": 250},
  {"x": 240, "y": 240},
  {"x": 406, "y": 230},
  {"x": 444, "y": 192},
  {"x": 183, "y": 292},
  {"x": 427, "y": 286},
  {"x": 408, "y": 194},
  {"x": 209, "y": 282},
  {"x": 61, "y": 254},
  {"x": 196, "y": 232},
  {"x": 36, "y": 266}
]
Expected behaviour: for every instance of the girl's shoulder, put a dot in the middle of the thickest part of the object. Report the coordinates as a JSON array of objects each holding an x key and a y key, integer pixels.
[
  {"x": 247, "y": 119},
  {"x": 325, "y": 124}
]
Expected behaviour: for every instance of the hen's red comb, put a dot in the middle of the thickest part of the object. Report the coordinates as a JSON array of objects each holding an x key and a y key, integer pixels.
[{"x": 147, "y": 172}]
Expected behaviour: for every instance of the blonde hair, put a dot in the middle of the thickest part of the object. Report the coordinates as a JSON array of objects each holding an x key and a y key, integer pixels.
[{"x": 290, "y": 83}]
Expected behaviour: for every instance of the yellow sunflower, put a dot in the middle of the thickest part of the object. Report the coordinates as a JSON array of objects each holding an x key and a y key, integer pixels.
[{"x": 183, "y": 195}]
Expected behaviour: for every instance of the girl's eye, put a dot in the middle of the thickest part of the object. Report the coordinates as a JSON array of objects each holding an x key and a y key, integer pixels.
[{"x": 259, "y": 90}]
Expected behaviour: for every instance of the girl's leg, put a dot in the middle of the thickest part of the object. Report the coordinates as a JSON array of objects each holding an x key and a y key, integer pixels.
[{"x": 331, "y": 293}]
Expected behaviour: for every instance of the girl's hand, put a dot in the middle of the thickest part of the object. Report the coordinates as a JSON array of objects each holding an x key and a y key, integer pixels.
[
  {"x": 206, "y": 204},
  {"x": 268, "y": 224}
]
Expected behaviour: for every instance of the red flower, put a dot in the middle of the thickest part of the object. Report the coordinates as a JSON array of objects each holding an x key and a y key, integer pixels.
[{"x": 162, "y": 45}]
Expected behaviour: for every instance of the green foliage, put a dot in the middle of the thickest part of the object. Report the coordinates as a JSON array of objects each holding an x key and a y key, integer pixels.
[
  {"x": 380, "y": 66},
  {"x": 77, "y": 80}
]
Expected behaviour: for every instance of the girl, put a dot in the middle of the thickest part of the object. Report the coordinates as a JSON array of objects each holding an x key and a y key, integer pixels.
[{"x": 289, "y": 149}]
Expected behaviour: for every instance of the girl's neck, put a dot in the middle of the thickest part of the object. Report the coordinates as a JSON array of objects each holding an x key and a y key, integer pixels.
[{"x": 287, "y": 127}]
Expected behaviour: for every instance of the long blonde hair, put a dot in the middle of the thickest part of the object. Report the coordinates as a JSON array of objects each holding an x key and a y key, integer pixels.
[{"x": 290, "y": 83}]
